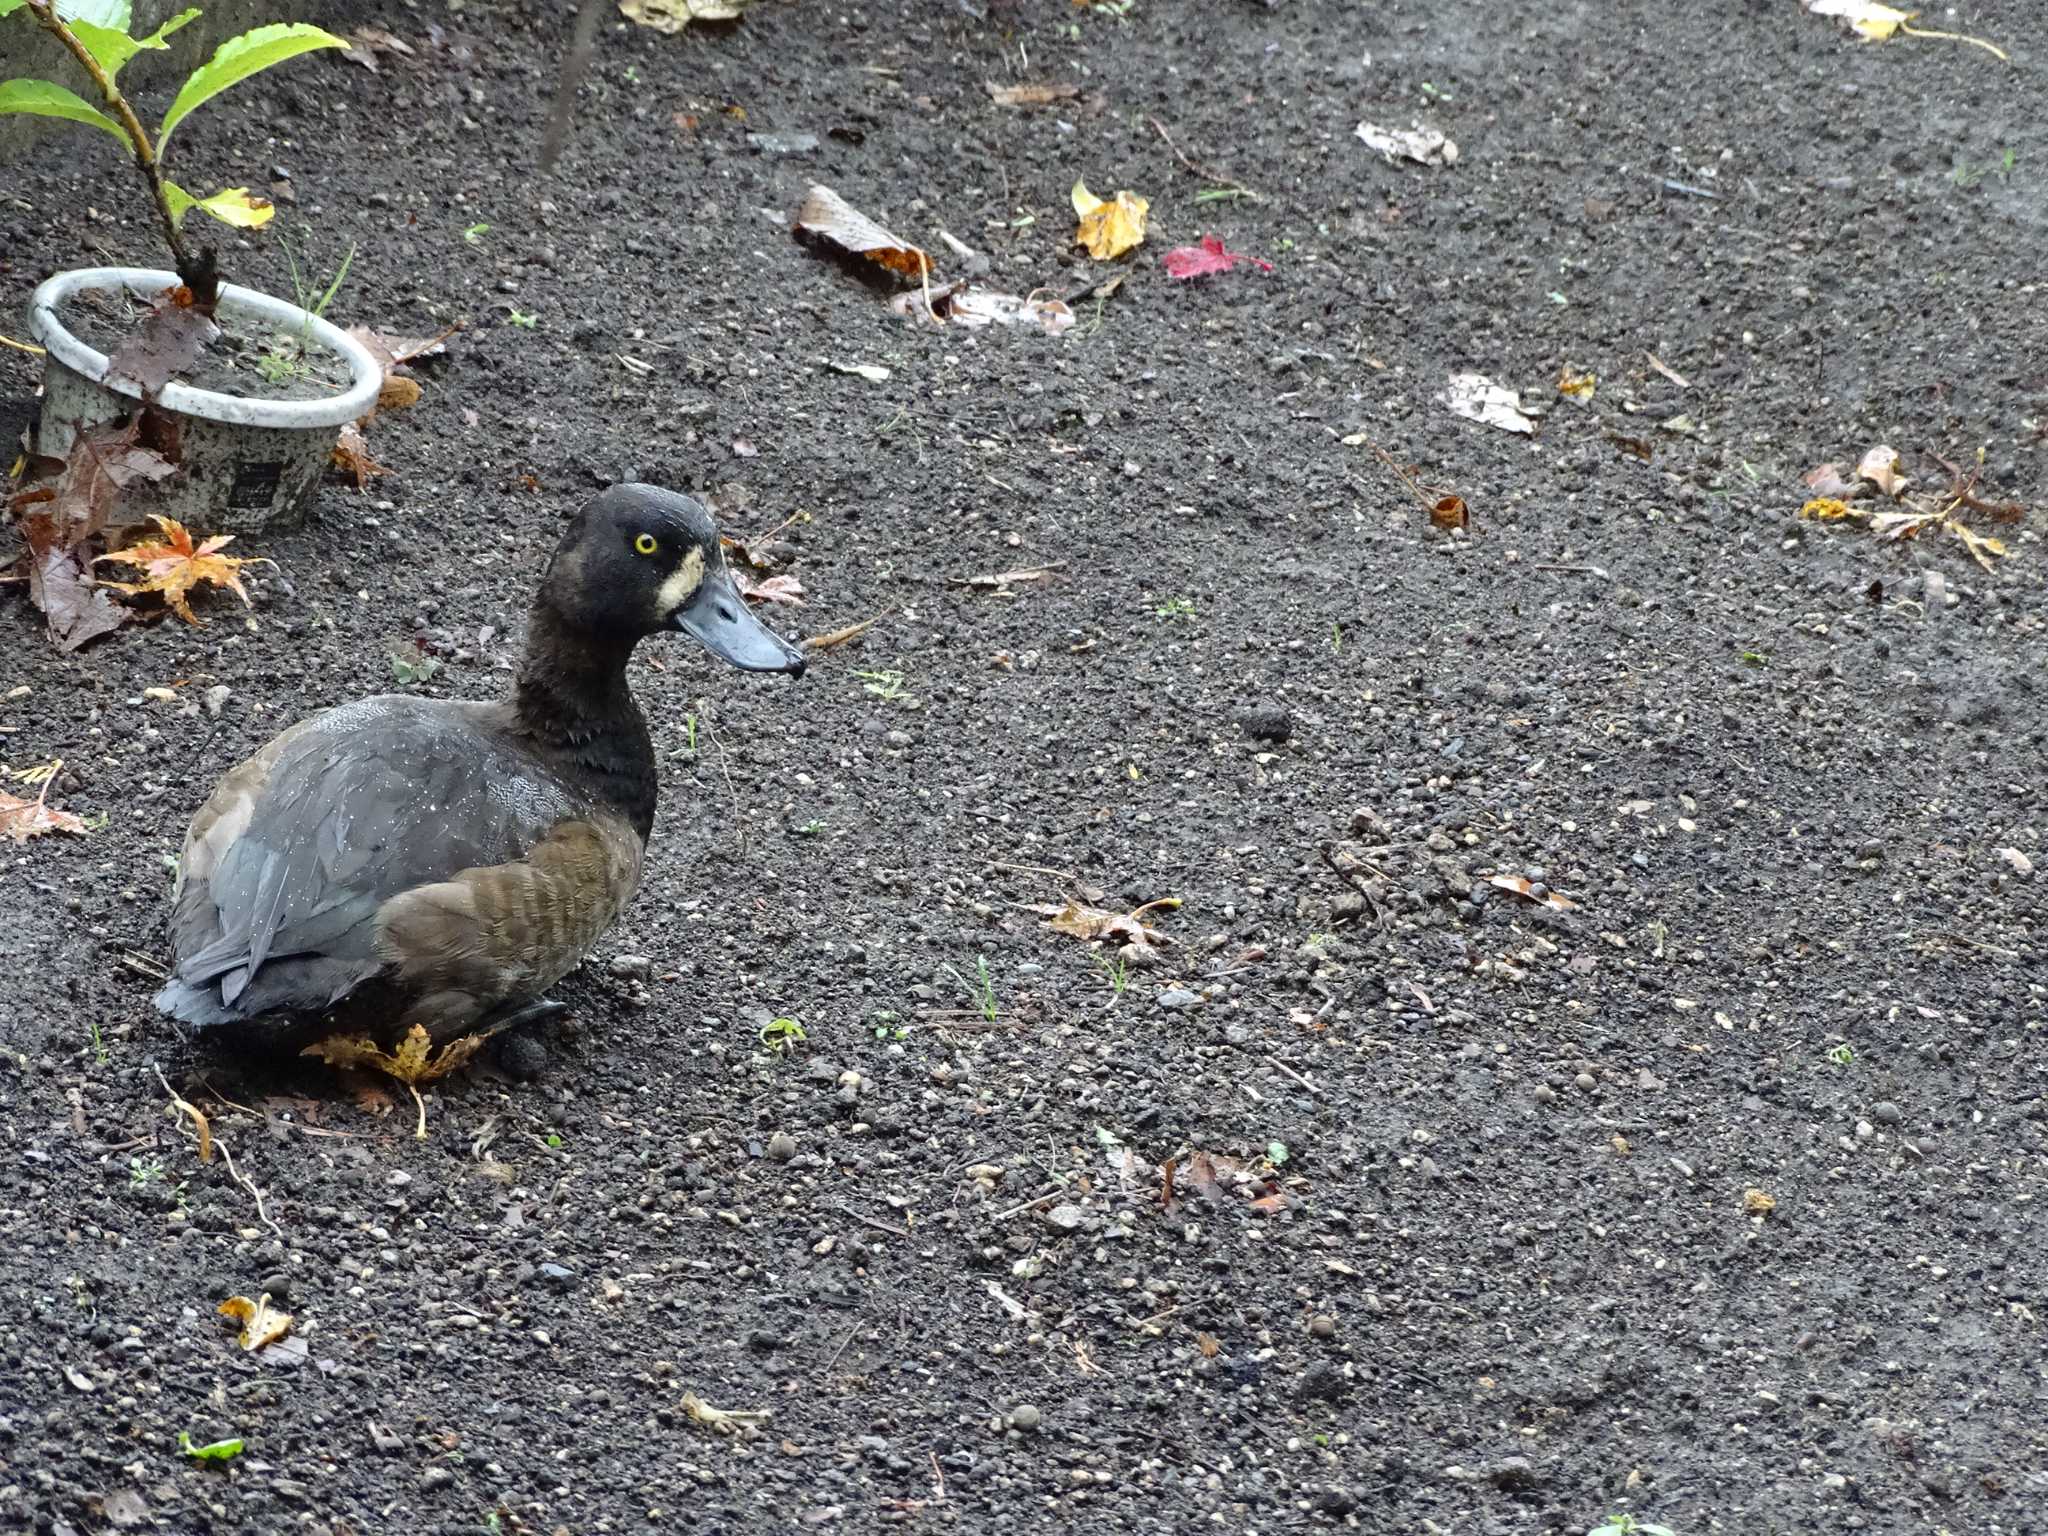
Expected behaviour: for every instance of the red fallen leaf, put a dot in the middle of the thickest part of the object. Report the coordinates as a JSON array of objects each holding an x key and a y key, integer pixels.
[{"x": 1188, "y": 261}]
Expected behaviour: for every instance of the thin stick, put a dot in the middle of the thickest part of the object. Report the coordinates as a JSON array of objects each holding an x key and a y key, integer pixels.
[
  {"x": 250, "y": 1185},
  {"x": 1290, "y": 1072},
  {"x": 574, "y": 62},
  {"x": 199, "y": 1123},
  {"x": 839, "y": 637},
  {"x": 1029, "y": 1205},
  {"x": 1203, "y": 172},
  {"x": 1956, "y": 37},
  {"x": 21, "y": 346},
  {"x": 704, "y": 709}
]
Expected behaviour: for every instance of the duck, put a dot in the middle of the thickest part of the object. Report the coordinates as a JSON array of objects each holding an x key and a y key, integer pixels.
[{"x": 399, "y": 860}]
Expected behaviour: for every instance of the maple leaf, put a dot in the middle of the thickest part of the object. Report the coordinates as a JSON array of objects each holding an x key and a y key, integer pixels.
[
  {"x": 22, "y": 819},
  {"x": 174, "y": 566},
  {"x": 351, "y": 455},
  {"x": 413, "y": 1063},
  {"x": 1112, "y": 228},
  {"x": 1190, "y": 261}
]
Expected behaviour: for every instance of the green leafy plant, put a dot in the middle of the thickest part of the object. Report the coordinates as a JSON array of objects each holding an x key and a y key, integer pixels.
[
  {"x": 474, "y": 235},
  {"x": 287, "y": 355},
  {"x": 413, "y": 665},
  {"x": 1841, "y": 1055},
  {"x": 782, "y": 1036},
  {"x": 523, "y": 320},
  {"x": 1629, "y": 1525},
  {"x": 218, "y": 1450},
  {"x": 1114, "y": 969},
  {"x": 144, "y": 1171},
  {"x": 96, "y": 34},
  {"x": 1175, "y": 608}
]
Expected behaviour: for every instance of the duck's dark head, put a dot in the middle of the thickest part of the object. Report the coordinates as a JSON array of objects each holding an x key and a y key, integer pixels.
[{"x": 638, "y": 560}]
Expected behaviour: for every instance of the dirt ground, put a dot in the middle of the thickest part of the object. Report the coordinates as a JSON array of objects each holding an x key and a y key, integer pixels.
[{"x": 1466, "y": 1229}]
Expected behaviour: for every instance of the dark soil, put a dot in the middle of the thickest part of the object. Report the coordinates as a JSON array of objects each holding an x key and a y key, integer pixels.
[
  {"x": 1510, "y": 1276},
  {"x": 256, "y": 360}
]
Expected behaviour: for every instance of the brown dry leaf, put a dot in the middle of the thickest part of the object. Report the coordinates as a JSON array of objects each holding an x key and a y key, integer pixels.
[
  {"x": 776, "y": 589},
  {"x": 1001, "y": 582},
  {"x": 1209, "y": 1345},
  {"x": 57, "y": 518},
  {"x": 1522, "y": 886},
  {"x": 393, "y": 353},
  {"x": 413, "y": 1063},
  {"x": 1981, "y": 547},
  {"x": 369, "y": 1094},
  {"x": 173, "y": 566},
  {"x": 1756, "y": 1203},
  {"x": 21, "y": 819},
  {"x": 725, "y": 1421},
  {"x": 262, "y": 1324},
  {"x": 1668, "y": 371},
  {"x": 351, "y": 455},
  {"x": 1082, "y": 921},
  {"x": 839, "y": 637},
  {"x": 1268, "y": 1204},
  {"x": 671, "y": 16},
  {"x": 1575, "y": 386},
  {"x": 826, "y": 217},
  {"x": 168, "y": 343},
  {"x": 1030, "y": 93},
  {"x": 1450, "y": 512},
  {"x": 1880, "y": 466},
  {"x": 970, "y": 307},
  {"x": 1109, "y": 229}
]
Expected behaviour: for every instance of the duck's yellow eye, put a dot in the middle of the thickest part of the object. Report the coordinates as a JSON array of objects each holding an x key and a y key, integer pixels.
[{"x": 646, "y": 543}]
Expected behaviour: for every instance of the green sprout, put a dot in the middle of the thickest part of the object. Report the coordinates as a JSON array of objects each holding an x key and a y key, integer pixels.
[
  {"x": 1841, "y": 1055},
  {"x": 218, "y": 1450},
  {"x": 885, "y": 685},
  {"x": 782, "y": 1036},
  {"x": 523, "y": 320},
  {"x": 1115, "y": 969},
  {"x": 144, "y": 1171},
  {"x": 981, "y": 991},
  {"x": 1629, "y": 1525},
  {"x": 474, "y": 235},
  {"x": 1175, "y": 608}
]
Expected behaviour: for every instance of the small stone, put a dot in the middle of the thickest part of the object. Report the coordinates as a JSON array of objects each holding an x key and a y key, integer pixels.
[
  {"x": 436, "y": 1477},
  {"x": 1067, "y": 1218},
  {"x": 899, "y": 740},
  {"x": 781, "y": 1147},
  {"x": 1885, "y": 1112},
  {"x": 631, "y": 967},
  {"x": 1512, "y": 1472},
  {"x": 1584, "y": 1082},
  {"x": 521, "y": 1055},
  {"x": 1865, "y": 1130},
  {"x": 1266, "y": 723},
  {"x": 1025, "y": 1417},
  {"x": 384, "y": 1440},
  {"x": 1179, "y": 997},
  {"x": 557, "y": 1274},
  {"x": 216, "y": 699},
  {"x": 1544, "y": 1094},
  {"x": 782, "y": 143},
  {"x": 1323, "y": 1326},
  {"x": 1873, "y": 849}
]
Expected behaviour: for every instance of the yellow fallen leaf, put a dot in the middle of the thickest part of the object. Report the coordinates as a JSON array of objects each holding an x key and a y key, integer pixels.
[
  {"x": 174, "y": 566},
  {"x": 1756, "y": 1203},
  {"x": 1826, "y": 509},
  {"x": 726, "y": 1421},
  {"x": 413, "y": 1063},
  {"x": 1575, "y": 386},
  {"x": 261, "y": 1322},
  {"x": 1869, "y": 19},
  {"x": 673, "y": 15},
  {"x": 1109, "y": 229},
  {"x": 1977, "y": 544}
]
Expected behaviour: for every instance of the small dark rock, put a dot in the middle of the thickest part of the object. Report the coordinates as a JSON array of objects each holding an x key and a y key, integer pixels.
[{"x": 1266, "y": 723}]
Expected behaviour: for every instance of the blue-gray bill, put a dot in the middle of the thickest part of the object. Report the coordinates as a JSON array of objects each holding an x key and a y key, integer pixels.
[{"x": 718, "y": 619}]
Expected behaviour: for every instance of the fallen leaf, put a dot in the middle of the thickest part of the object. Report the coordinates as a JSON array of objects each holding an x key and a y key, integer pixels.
[
  {"x": 1866, "y": 17},
  {"x": 1826, "y": 509},
  {"x": 1880, "y": 466},
  {"x": 1081, "y": 921},
  {"x": 1191, "y": 261},
  {"x": 971, "y": 307},
  {"x": 1575, "y": 386},
  {"x": 399, "y": 390},
  {"x": 1030, "y": 94},
  {"x": 671, "y": 16},
  {"x": 168, "y": 343},
  {"x": 173, "y": 566},
  {"x": 351, "y": 455},
  {"x": 413, "y": 1063},
  {"x": 1450, "y": 513},
  {"x": 1109, "y": 229},
  {"x": 1522, "y": 886},
  {"x": 827, "y": 218},
  {"x": 1477, "y": 398},
  {"x": 1209, "y": 1345},
  {"x": 874, "y": 373},
  {"x": 262, "y": 1324},
  {"x": 1827, "y": 482},
  {"x": 726, "y": 1421},
  {"x": 76, "y": 609},
  {"x": 2021, "y": 864},
  {"x": 1756, "y": 1203},
  {"x": 1002, "y": 581},
  {"x": 776, "y": 589},
  {"x": 21, "y": 819},
  {"x": 1981, "y": 548},
  {"x": 1425, "y": 146},
  {"x": 1668, "y": 371}
]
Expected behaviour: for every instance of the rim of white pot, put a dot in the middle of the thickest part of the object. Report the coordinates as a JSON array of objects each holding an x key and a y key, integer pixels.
[{"x": 366, "y": 374}]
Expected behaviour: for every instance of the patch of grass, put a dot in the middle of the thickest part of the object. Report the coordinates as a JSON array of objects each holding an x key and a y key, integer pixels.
[
  {"x": 886, "y": 685},
  {"x": 286, "y": 358},
  {"x": 474, "y": 235},
  {"x": 1115, "y": 970},
  {"x": 810, "y": 828},
  {"x": 144, "y": 1171},
  {"x": 1223, "y": 194},
  {"x": 1756, "y": 658},
  {"x": 1175, "y": 608},
  {"x": 981, "y": 989},
  {"x": 1841, "y": 1055},
  {"x": 1967, "y": 175}
]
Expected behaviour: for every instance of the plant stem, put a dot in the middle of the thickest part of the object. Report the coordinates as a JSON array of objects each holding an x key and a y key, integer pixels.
[{"x": 138, "y": 140}]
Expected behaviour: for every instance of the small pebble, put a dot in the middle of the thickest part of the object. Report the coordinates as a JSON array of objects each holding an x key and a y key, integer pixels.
[
  {"x": 781, "y": 1147},
  {"x": 1323, "y": 1326},
  {"x": 436, "y": 1477},
  {"x": 1545, "y": 1094},
  {"x": 1865, "y": 1130},
  {"x": 1886, "y": 1112},
  {"x": 631, "y": 967},
  {"x": 1025, "y": 1417},
  {"x": 1584, "y": 1082}
]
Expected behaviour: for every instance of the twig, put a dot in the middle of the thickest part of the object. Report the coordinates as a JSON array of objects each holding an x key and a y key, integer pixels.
[
  {"x": 1029, "y": 1205},
  {"x": 739, "y": 826},
  {"x": 199, "y": 1122},
  {"x": 1031, "y": 869},
  {"x": 574, "y": 61},
  {"x": 1422, "y": 498},
  {"x": 1576, "y": 570},
  {"x": 1212, "y": 177},
  {"x": 826, "y": 1368},
  {"x": 1290, "y": 1072},
  {"x": 1352, "y": 878},
  {"x": 840, "y": 636},
  {"x": 20, "y": 346},
  {"x": 208, "y": 1141}
]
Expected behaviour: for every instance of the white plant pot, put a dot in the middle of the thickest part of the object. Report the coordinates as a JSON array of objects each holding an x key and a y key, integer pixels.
[{"x": 243, "y": 462}]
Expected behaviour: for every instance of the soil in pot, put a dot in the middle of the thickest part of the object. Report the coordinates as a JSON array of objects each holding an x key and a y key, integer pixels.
[{"x": 249, "y": 357}]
